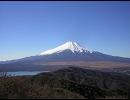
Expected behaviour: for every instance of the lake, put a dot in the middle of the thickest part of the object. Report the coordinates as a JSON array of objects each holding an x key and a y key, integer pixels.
[{"x": 23, "y": 73}]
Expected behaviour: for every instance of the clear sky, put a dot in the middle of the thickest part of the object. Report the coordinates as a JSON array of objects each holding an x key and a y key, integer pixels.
[{"x": 29, "y": 28}]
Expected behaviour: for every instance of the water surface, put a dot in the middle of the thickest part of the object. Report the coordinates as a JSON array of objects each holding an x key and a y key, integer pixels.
[{"x": 23, "y": 73}]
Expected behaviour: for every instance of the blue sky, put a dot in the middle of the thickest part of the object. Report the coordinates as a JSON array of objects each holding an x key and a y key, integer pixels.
[{"x": 29, "y": 28}]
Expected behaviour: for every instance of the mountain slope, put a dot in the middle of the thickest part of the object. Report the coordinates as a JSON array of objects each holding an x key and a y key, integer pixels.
[
  {"x": 70, "y": 53},
  {"x": 88, "y": 83},
  {"x": 68, "y": 83}
]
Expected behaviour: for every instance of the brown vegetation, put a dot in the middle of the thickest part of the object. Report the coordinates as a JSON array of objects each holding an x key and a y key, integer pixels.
[{"x": 70, "y": 83}]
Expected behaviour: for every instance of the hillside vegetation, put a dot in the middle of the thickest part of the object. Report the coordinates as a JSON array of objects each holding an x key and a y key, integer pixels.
[{"x": 68, "y": 83}]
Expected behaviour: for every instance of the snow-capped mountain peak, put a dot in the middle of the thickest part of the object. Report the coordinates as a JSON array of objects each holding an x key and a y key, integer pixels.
[{"x": 70, "y": 45}]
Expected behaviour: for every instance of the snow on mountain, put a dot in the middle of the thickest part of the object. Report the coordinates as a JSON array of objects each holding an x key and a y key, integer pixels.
[{"x": 73, "y": 46}]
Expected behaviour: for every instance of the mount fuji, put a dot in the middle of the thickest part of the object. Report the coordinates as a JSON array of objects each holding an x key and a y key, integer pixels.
[
  {"x": 72, "y": 46},
  {"x": 69, "y": 53}
]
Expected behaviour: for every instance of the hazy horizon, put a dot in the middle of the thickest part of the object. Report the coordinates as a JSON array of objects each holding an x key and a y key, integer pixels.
[{"x": 29, "y": 28}]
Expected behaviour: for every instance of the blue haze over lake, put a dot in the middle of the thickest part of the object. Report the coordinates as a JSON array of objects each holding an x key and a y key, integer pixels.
[{"x": 23, "y": 73}]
